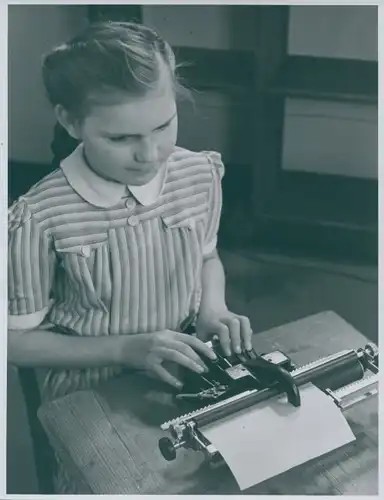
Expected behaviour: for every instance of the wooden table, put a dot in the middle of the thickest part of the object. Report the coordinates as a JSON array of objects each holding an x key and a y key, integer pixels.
[{"x": 108, "y": 439}]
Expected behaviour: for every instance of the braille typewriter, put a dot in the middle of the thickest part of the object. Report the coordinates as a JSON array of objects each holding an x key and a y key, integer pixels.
[{"x": 242, "y": 380}]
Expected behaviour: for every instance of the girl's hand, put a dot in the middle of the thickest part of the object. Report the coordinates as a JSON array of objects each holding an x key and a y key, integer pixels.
[
  {"x": 234, "y": 331},
  {"x": 149, "y": 351}
]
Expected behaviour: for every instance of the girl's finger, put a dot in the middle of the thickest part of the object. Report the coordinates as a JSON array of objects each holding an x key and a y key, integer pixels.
[
  {"x": 164, "y": 375},
  {"x": 189, "y": 352},
  {"x": 233, "y": 325},
  {"x": 166, "y": 354},
  {"x": 197, "y": 344},
  {"x": 224, "y": 337},
  {"x": 246, "y": 332}
]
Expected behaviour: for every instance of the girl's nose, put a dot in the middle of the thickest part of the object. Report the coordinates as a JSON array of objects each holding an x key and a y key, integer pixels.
[{"x": 146, "y": 151}]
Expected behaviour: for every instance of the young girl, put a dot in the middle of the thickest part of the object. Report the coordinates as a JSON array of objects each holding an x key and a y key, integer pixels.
[{"x": 113, "y": 254}]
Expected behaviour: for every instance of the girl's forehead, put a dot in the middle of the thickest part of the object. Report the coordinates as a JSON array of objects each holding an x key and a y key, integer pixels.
[{"x": 128, "y": 114}]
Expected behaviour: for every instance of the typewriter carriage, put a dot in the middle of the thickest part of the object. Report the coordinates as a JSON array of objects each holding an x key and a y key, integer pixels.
[{"x": 342, "y": 376}]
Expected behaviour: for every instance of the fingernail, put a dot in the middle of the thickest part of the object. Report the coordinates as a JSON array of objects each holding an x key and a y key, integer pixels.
[
  {"x": 237, "y": 349},
  {"x": 200, "y": 368}
]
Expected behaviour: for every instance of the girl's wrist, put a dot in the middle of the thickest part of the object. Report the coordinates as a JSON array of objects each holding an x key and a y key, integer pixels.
[
  {"x": 121, "y": 352},
  {"x": 209, "y": 308}
]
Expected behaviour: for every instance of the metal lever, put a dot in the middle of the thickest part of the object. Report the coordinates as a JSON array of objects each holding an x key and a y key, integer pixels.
[{"x": 277, "y": 374}]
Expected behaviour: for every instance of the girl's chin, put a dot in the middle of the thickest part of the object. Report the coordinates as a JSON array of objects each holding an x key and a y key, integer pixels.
[{"x": 139, "y": 179}]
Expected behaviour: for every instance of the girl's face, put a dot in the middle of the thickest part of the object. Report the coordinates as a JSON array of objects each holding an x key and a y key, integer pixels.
[{"x": 129, "y": 142}]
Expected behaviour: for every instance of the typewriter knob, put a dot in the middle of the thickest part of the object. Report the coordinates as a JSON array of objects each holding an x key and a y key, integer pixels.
[
  {"x": 167, "y": 449},
  {"x": 373, "y": 351}
]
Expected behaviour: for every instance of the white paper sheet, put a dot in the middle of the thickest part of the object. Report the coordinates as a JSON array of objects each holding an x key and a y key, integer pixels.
[{"x": 273, "y": 437}]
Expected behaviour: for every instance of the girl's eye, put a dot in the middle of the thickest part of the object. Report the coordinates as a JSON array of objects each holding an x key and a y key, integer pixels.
[
  {"x": 127, "y": 138},
  {"x": 122, "y": 138},
  {"x": 163, "y": 127}
]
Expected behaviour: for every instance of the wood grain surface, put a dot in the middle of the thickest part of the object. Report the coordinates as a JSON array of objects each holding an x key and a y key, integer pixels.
[{"x": 108, "y": 439}]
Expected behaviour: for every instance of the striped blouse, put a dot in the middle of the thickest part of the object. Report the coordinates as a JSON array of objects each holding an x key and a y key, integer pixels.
[{"x": 87, "y": 257}]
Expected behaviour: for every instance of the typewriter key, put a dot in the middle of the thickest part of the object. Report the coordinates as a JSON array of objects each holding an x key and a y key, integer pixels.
[
  {"x": 241, "y": 357},
  {"x": 250, "y": 354}
]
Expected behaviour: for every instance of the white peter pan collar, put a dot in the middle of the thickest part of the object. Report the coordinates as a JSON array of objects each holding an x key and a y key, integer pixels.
[{"x": 104, "y": 193}]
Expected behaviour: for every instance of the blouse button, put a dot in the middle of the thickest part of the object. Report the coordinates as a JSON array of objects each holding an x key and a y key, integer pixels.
[
  {"x": 85, "y": 251},
  {"x": 130, "y": 204},
  {"x": 133, "y": 220},
  {"x": 191, "y": 223}
]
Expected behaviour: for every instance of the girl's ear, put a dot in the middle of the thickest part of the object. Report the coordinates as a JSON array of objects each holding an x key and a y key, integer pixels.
[{"x": 66, "y": 120}]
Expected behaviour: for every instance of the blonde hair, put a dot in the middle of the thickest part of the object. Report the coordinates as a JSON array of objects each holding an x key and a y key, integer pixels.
[{"x": 107, "y": 59}]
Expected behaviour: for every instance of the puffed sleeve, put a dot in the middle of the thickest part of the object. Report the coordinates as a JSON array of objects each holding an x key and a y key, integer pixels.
[
  {"x": 31, "y": 263},
  {"x": 215, "y": 202}
]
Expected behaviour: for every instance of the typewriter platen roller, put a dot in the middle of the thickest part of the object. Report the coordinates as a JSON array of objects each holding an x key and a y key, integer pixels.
[{"x": 235, "y": 383}]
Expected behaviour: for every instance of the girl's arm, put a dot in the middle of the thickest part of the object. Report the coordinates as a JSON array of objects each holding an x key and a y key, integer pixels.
[
  {"x": 45, "y": 348},
  {"x": 213, "y": 284},
  {"x": 234, "y": 331},
  {"x": 214, "y": 318},
  {"x": 148, "y": 352}
]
